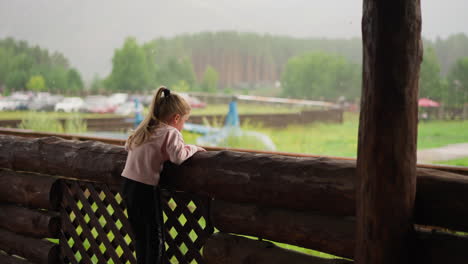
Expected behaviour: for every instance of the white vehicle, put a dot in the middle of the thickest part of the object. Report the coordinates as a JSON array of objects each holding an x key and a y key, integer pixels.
[
  {"x": 118, "y": 98},
  {"x": 8, "y": 105},
  {"x": 69, "y": 104},
  {"x": 126, "y": 108}
]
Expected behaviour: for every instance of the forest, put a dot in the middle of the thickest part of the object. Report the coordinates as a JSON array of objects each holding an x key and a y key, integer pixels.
[
  {"x": 27, "y": 67},
  {"x": 231, "y": 61}
]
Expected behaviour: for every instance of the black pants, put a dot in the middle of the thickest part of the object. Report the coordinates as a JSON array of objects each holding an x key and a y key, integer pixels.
[{"x": 146, "y": 218}]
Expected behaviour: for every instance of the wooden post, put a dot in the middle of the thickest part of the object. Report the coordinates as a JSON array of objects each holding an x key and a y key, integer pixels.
[{"x": 386, "y": 163}]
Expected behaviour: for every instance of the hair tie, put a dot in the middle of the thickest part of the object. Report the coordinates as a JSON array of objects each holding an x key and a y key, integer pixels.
[{"x": 166, "y": 92}]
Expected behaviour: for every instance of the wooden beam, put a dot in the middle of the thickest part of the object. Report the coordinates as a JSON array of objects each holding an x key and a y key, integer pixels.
[
  {"x": 230, "y": 249},
  {"x": 442, "y": 200},
  {"x": 32, "y": 249},
  {"x": 7, "y": 259},
  {"x": 312, "y": 184},
  {"x": 333, "y": 235},
  {"x": 88, "y": 160},
  {"x": 436, "y": 247},
  {"x": 28, "y": 222},
  {"x": 320, "y": 184},
  {"x": 29, "y": 189},
  {"x": 300, "y": 183},
  {"x": 121, "y": 142},
  {"x": 386, "y": 163}
]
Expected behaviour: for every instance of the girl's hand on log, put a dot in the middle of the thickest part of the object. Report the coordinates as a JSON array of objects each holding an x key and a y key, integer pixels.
[{"x": 200, "y": 149}]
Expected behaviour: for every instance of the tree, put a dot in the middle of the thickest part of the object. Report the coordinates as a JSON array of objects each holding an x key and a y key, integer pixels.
[
  {"x": 19, "y": 63},
  {"x": 316, "y": 75},
  {"x": 181, "y": 86},
  {"x": 56, "y": 79},
  {"x": 210, "y": 80},
  {"x": 129, "y": 71},
  {"x": 174, "y": 71},
  {"x": 74, "y": 82},
  {"x": 430, "y": 82},
  {"x": 36, "y": 83},
  {"x": 16, "y": 80},
  {"x": 457, "y": 93},
  {"x": 98, "y": 85}
]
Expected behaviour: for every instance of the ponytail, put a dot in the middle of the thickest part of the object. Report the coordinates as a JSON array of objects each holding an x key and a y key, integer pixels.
[{"x": 164, "y": 105}]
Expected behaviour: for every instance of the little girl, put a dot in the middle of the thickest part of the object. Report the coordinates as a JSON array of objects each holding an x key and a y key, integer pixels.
[{"x": 157, "y": 139}]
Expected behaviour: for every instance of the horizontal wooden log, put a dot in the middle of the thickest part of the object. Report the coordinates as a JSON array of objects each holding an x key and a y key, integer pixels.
[
  {"x": 29, "y": 189},
  {"x": 33, "y": 249},
  {"x": 442, "y": 200},
  {"x": 89, "y": 160},
  {"x": 29, "y": 222},
  {"x": 313, "y": 184},
  {"x": 298, "y": 183},
  {"x": 328, "y": 234},
  {"x": 7, "y": 259},
  {"x": 120, "y": 142},
  {"x": 223, "y": 248},
  {"x": 320, "y": 184},
  {"x": 435, "y": 247}
]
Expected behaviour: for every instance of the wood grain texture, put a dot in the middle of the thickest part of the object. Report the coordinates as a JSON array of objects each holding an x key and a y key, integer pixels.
[
  {"x": 386, "y": 163},
  {"x": 29, "y": 222},
  {"x": 29, "y": 189}
]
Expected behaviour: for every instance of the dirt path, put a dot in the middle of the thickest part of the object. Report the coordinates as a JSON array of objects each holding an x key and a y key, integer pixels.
[{"x": 449, "y": 152}]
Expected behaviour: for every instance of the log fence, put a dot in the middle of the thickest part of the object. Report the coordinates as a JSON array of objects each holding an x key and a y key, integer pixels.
[
  {"x": 69, "y": 190},
  {"x": 275, "y": 120}
]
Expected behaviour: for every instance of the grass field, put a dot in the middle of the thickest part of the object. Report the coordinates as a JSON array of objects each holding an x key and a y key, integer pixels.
[
  {"x": 341, "y": 139},
  {"x": 318, "y": 138}
]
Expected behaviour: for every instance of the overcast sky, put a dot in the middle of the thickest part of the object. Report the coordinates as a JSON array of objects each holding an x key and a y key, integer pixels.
[{"x": 88, "y": 31}]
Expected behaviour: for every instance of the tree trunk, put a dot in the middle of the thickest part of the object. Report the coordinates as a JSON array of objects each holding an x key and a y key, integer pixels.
[{"x": 386, "y": 163}]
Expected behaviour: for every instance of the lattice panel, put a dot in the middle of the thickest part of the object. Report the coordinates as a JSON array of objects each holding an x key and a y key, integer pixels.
[{"x": 95, "y": 228}]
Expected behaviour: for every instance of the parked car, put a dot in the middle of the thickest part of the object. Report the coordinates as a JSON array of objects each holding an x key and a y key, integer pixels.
[
  {"x": 98, "y": 104},
  {"x": 7, "y": 104},
  {"x": 126, "y": 108},
  {"x": 44, "y": 102},
  {"x": 118, "y": 98},
  {"x": 193, "y": 101},
  {"x": 69, "y": 104}
]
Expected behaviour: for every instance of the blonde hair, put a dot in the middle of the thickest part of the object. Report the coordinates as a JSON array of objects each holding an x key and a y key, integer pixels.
[{"x": 161, "y": 109}]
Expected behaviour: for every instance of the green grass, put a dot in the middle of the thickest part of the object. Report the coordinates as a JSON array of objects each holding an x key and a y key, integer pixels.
[
  {"x": 341, "y": 139},
  {"x": 455, "y": 162},
  {"x": 45, "y": 122},
  {"x": 435, "y": 134}
]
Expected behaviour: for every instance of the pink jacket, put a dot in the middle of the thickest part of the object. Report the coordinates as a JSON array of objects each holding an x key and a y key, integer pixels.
[{"x": 144, "y": 163}]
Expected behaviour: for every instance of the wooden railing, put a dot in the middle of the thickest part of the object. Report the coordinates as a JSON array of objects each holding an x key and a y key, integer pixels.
[
  {"x": 266, "y": 120},
  {"x": 303, "y": 201}
]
